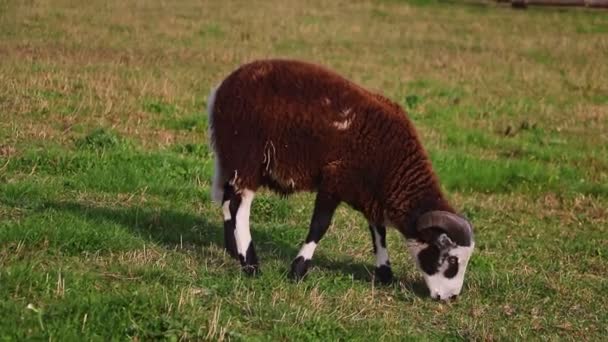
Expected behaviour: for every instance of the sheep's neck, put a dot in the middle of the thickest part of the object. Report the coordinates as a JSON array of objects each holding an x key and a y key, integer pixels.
[{"x": 410, "y": 198}]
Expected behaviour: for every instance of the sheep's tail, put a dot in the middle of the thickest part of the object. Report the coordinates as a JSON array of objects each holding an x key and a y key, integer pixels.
[{"x": 217, "y": 186}]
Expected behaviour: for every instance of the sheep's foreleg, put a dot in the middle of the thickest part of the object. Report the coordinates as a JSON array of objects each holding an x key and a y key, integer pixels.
[
  {"x": 230, "y": 205},
  {"x": 383, "y": 265},
  {"x": 325, "y": 206}
]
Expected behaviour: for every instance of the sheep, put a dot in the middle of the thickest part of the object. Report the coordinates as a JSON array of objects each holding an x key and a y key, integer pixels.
[{"x": 293, "y": 126}]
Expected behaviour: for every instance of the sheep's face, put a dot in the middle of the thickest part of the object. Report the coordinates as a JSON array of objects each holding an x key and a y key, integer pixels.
[{"x": 443, "y": 264}]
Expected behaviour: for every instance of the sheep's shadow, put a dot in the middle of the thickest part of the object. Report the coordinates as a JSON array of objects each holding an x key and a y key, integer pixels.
[
  {"x": 166, "y": 227},
  {"x": 365, "y": 273},
  {"x": 170, "y": 228}
]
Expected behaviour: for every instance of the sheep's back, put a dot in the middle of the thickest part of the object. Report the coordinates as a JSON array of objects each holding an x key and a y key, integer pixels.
[{"x": 293, "y": 123}]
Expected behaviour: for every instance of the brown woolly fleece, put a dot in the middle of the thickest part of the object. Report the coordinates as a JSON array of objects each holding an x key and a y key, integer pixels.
[{"x": 294, "y": 126}]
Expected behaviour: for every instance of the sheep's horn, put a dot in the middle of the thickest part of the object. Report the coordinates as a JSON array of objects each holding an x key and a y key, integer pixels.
[{"x": 457, "y": 228}]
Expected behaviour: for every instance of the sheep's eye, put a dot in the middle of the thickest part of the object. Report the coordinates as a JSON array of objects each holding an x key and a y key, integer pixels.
[{"x": 452, "y": 260}]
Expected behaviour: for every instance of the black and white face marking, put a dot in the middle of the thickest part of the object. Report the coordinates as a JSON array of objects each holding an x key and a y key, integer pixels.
[{"x": 443, "y": 265}]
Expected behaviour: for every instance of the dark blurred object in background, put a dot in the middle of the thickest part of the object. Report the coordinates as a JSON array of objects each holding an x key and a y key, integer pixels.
[{"x": 580, "y": 3}]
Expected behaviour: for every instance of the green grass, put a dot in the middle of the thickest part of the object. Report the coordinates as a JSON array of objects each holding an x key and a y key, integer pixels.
[{"x": 107, "y": 231}]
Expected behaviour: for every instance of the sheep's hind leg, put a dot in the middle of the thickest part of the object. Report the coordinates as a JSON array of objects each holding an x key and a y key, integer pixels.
[
  {"x": 383, "y": 272},
  {"x": 325, "y": 206},
  {"x": 239, "y": 214},
  {"x": 230, "y": 204}
]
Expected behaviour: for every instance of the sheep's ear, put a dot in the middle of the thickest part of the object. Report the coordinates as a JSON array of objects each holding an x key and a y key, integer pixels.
[{"x": 444, "y": 242}]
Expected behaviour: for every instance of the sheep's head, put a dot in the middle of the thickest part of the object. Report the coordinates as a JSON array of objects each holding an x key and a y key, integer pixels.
[{"x": 442, "y": 251}]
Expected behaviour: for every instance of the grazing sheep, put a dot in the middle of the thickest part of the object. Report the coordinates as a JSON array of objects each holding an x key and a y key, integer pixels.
[{"x": 292, "y": 126}]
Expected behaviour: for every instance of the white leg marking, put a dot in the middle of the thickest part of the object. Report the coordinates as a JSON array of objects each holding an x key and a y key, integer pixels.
[
  {"x": 308, "y": 250},
  {"x": 381, "y": 252},
  {"x": 242, "y": 233},
  {"x": 226, "y": 211}
]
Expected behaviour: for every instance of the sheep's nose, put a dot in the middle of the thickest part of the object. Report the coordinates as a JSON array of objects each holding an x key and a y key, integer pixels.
[{"x": 438, "y": 297}]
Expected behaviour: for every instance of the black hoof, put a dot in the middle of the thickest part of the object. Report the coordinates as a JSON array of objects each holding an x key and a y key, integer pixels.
[
  {"x": 299, "y": 267},
  {"x": 251, "y": 270},
  {"x": 384, "y": 274},
  {"x": 249, "y": 263}
]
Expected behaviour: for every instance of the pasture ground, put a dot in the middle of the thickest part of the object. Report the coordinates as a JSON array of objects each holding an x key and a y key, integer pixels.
[{"x": 107, "y": 231}]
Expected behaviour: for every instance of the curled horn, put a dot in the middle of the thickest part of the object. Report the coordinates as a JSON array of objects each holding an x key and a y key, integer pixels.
[{"x": 457, "y": 228}]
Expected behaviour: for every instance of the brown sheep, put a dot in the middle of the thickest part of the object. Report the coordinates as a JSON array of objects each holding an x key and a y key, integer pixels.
[{"x": 293, "y": 126}]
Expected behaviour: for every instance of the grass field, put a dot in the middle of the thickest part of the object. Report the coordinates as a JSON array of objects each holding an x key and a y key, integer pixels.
[{"x": 107, "y": 230}]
